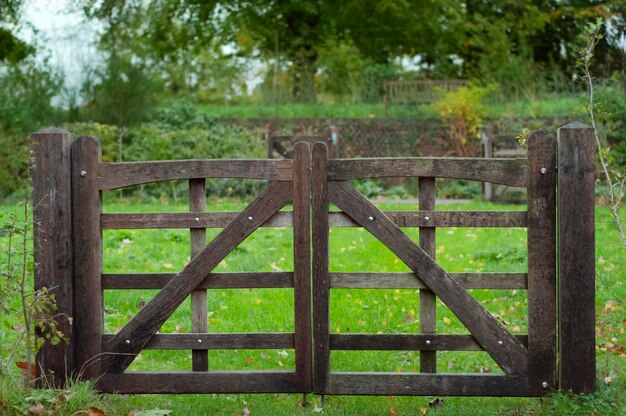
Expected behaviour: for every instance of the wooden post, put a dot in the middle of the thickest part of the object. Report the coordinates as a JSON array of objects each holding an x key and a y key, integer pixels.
[
  {"x": 542, "y": 175},
  {"x": 269, "y": 141},
  {"x": 86, "y": 210},
  {"x": 199, "y": 308},
  {"x": 302, "y": 262},
  {"x": 321, "y": 278},
  {"x": 334, "y": 143},
  {"x": 52, "y": 217},
  {"x": 577, "y": 355},
  {"x": 428, "y": 301},
  {"x": 487, "y": 141}
]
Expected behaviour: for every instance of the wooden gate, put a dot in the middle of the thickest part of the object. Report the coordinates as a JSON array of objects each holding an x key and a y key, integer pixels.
[
  {"x": 105, "y": 357},
  {"x": 528, "y": 362},
  {"x": 69, "y": 179}
]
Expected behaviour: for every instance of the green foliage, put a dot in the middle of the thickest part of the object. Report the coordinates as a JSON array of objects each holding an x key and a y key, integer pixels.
[{"x": 463, "y": 110}]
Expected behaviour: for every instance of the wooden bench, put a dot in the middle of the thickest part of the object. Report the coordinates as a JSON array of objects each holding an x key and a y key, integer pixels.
[{"x": 418, "y": 91}]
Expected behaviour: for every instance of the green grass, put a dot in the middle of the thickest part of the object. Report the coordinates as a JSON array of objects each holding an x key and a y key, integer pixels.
[
  {"x": 361, "y": 311},
  {"x": 549, "y": 106}
]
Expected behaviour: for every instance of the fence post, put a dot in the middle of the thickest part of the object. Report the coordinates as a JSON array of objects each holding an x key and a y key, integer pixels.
[
  {"x": 52, "y": 232},
  {"x": 88, "y": 325},
  {"x": 576, "y": 199}
]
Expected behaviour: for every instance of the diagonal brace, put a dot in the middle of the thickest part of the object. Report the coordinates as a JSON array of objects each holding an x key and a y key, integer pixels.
[
  {"x": 125, "y": 345},
  {"x": 505, "y": 350}
]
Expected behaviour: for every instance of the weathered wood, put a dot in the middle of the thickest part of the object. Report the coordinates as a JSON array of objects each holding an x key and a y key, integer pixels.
[
  {"x": 457, "y": 384},
  {"x": 86, "y": 207},
  {"x": 52, "y": 242},
  {"x": 184, "y": 220},
  {"x": 231, "y": 280},
  {"x": 302, "y": 263},
  {"x": 542, "y": 174},
  {"x": 505, "y": 350},
  {"x": 119, "y": 175},
  {"x": 197, "y": 241},
  {"x": 511, "y": 172},
  {"x": 428, "y": 301},
  {"x": 321, "y": 278},
  {"x": 386, "y": 280},
  {"x": 204, "y": 341},
  {"x": 336, "y": 219},
  {"x": 137, "y": 382},
  {"x": 577, "y": 355},
  {"x": 408, "y": 342},
  {"x": 136, "y": 334}
]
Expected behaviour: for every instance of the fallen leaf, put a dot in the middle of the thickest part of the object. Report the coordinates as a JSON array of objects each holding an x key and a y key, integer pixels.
[
  {"x": 318, "y": 409},
  {"x": 393, "y": 411},
  {"x": 424, "y": 410},
  {"x": 435, "y": 402},
  {"x": 36, "y": 409},
  {"x": 249, "y": 361},
  {"x": 608, "y": 379},
  {"x": 450, "y": 365},
  {"x": 24, "y": 367},
  {"x": 517, "y": 328},
  {"x": 446, "y": 321},
  {"x": 94, "y": 411}
]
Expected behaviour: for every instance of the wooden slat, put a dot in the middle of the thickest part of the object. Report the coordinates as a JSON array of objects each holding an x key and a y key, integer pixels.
[
  {"x": 302, "y": 263},
  {"x": 200, "y": 382},
  {"x": 576, "y": 183},
  {"x": 408, "y": 342},
  {"x": 542, "y": 175},
  {"x": 321, "y": 278},
  {"x": 119, "y": 175},
  {"x": 428, "y": 301},
  {"x": 336, "y": 219},
  {"x": 136, "y": 334},
  {"x": 511, "y": 172},
  {"x": 386, "y": 280},
  {"x": 230, "y": 280},
  {"x": 197, "y": 241},
  {"x": 398, "y": 384},
  {"x": 203, "y": 341},
  {"x": 52, "y": 241},
  {"x": 86, "y": 207},
  {"x": 505, "y": 350}
]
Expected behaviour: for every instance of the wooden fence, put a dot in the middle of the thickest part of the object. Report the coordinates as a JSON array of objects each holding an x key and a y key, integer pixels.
[
  {"x": 422, "y": 91},
  {"x": 69, "y": 179}
]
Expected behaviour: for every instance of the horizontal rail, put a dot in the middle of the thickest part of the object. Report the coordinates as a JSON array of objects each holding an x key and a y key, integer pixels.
[
  {"x": 122, "y": 174},
  {"x": 184, "y": 220},
  {"x": 336, "y": 219},
  {"x": 188, "y": 382},
  {"x": 511, "y": 172},
  {"x": 230, "y": 341},
  {"x": 449, "y": 384},
  {"x": 212, "y": 281},
  {"x": 408, "y": 342},
  {"x": 388, "y": 280}
]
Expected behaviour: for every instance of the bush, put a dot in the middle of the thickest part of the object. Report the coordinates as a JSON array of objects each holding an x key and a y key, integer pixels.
[{"x": 612, "y": 99}]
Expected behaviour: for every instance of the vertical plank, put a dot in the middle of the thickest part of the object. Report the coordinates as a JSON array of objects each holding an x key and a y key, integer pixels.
[
  {"x": 577, "y": 355},
  {"x": 86, "y": 209},
  {"x": 199, "y": 307},
  {"x": 52, "y": 233},
  {"x": 321, "y": 278},
  {"x": 302, "y": 263},
  {"x": 428, "y": 301},
  {"x": 487, "y": 139},
  {"x": 542, "y": 174}
]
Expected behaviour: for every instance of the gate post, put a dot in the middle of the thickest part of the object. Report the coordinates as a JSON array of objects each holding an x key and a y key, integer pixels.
[
  {"x": 52, "y": 235},
  {"x": 577, "y": 353}
]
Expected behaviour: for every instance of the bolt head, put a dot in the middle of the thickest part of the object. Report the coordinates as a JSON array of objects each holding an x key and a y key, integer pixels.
[
  {"x": 427, "y": 342},
  {"x": 196, "y": 219},
  {"x": 543, "y": 171},
  {"x": 427, "y": 218},
  {"x": 544, "y": 384},
  {"x": 500, "y": 343},
  {"x": 83, "y": 173},
  {"x": 370, "y": 218},
  {"x": 199, "y": 341},
  {"x": 249, "y": 218},
  {"x": 127, "y": 342}
]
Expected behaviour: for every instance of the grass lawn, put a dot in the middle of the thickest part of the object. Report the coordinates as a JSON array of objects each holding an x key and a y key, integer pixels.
[
  {"x": 356, "y": 311},
  {"x": 550, "y": 106}
]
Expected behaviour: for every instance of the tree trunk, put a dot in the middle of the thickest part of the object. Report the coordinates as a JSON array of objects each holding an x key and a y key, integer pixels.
[{"x": 303, "y": 72}]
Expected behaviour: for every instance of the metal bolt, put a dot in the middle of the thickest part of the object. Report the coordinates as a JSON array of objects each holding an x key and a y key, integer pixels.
[
  {"x": 199, "y": 341},
  {"x": 197, "y": 219},
  {"x": 427, "y": 218},
  {"x": 499, "y": 342},
  {"x": 127, "y": 342},
  {"x": 544, "y": 384},
  {"x": 427, "y": 342},
  {"x": 249, "y": 218},
  {"x": 370, "y": 218},
  {"x": 83, "y": 173},
  {"x": 543, "y": 171}
]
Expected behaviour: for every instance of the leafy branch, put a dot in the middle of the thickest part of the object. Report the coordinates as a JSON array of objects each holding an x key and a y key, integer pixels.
[{"x": 615, "y": 180}]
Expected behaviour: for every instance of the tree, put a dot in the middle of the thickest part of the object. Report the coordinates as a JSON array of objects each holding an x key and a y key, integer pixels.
[{"x": 12, "y": 49}]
